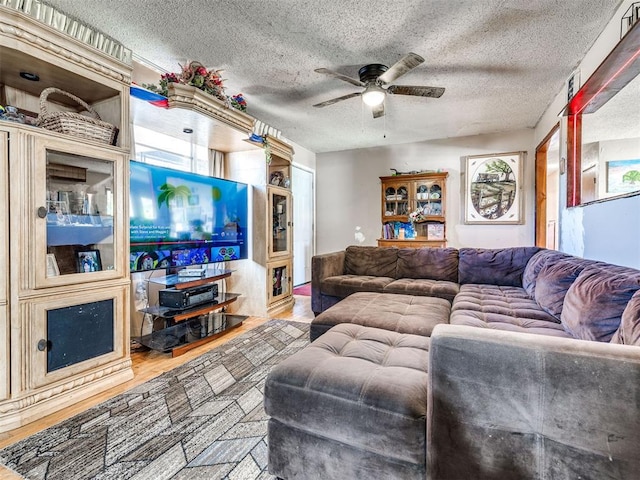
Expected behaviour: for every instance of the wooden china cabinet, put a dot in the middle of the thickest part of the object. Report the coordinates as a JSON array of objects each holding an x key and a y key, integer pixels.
[{"x": 402, "y": 195}]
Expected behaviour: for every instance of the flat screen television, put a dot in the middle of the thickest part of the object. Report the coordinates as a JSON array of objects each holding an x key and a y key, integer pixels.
[{"x": 180, "y": 218}]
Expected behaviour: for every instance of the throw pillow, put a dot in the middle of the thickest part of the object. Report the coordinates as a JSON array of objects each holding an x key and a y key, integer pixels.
[
  {"x": 374, "y": 261},
  {"x": 535, "y": 264},
  {"x": 431, "y": 263},
  {"x": 594, "y": 303},
  {"x": 500, "y": 266},
  {"x": 629, "y": 331},
  {"x": 552, "y": 284}
]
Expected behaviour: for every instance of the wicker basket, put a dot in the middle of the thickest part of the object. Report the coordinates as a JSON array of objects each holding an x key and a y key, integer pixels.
[{"x": 90, "y": 127}]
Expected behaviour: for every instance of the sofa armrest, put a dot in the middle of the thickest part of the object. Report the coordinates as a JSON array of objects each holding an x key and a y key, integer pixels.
[
  {"x": 323, "y": 266},
  {"x": 519, "y": 405}
]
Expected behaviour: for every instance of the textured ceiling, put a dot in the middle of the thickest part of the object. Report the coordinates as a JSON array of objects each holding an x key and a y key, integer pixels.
[{"x": 501, "y": 61}]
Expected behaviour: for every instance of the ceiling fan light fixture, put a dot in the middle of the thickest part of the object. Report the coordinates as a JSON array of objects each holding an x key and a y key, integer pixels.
[{"x": 373, "y": 95}]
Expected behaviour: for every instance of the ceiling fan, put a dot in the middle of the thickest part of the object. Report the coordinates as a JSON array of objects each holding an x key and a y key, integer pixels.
[{"x": 375, "y": 79}]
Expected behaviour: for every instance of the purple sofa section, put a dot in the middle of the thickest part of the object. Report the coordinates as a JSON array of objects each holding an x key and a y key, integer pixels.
[{"x": 525, "y": 289}]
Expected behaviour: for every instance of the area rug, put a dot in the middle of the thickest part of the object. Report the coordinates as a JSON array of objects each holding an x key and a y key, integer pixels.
[
  {"x": 202, "y": 420},
  {"x": 304, "y": 289}
]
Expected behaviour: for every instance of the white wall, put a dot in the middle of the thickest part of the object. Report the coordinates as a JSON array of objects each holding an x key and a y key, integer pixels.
[
  {"x": 348, "y": 189},
  {"x": 303, "y": 157},
  {"x": 608, "y": 231}
]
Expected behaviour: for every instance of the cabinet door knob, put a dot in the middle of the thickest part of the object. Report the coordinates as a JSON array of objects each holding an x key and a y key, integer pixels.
[
  {"x": 43, "y": 345},
  {"x": 42, "y": 212}
]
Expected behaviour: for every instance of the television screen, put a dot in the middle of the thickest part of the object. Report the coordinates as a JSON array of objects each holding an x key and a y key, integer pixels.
[{"x": 180, "y": 218}]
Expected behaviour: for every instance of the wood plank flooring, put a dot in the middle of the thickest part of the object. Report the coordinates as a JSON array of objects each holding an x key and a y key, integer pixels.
[{"x": 147, "y": 365}]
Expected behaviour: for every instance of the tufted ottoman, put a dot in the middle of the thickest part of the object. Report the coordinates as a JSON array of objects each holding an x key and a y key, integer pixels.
[
  {"x": 351, "y": 405},
  {"x": 391, "y": 311}
]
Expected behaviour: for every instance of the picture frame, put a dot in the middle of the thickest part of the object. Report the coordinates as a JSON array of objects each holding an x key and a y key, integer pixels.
[
  {"x": 493, "y": 189},
  {"x": 435, "y": 231},
  {"x": 88, "y": 261},
  {"x": 623, "y": 176},
  {"x": 52, "y": 266}
]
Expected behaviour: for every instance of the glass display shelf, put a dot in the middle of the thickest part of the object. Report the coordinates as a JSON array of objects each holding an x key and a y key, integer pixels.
[
  {"x": 78, "y": 229},
  {"x": 180, "y": 314},
  {"x": 181, "y": 282},
  {"x": 192, "y": 333}
]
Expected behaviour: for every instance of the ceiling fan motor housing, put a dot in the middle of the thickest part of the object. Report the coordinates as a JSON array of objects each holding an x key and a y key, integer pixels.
[{"x": 370, "y": 73}]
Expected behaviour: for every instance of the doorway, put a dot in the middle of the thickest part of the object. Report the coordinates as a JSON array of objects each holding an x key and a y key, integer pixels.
[
  {"x": 548, "y": 190},
  {"x": 302, "y": 186}
]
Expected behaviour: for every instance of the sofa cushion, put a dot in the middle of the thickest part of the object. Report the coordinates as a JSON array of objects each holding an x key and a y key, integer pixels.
[
  {"x": 594, "y": 303},
  {"x": 506, "y": 322},
  {"x": 428, "y": 262},
  {"x": 500, "y": 266},
  {"x": 502, "y": 308},
  {"x": 554, "y": 279},
  {"x": 345, "y": 285},
  {"x": 398, "y": 313},
  {"x": 373, "y": 261},
  {"x": 423, "y": 287},
  {"x": 629, "y": 331},
  {"x": 536, "y": 263}
]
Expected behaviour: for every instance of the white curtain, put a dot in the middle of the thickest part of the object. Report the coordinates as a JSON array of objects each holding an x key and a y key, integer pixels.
[{"x": 216, "y": 163}]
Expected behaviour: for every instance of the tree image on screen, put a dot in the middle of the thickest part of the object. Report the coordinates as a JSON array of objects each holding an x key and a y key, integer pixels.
[{"x": 169, "y": 192}]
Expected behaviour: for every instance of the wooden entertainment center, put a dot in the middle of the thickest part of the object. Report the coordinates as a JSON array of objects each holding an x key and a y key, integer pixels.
[
  {"x": 65, "y": 289},
  {"x": 64, "y": 286}
]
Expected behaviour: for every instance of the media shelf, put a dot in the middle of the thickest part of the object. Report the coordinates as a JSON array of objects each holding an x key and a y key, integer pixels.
[
  {"x": 178, "y": 330},
  {"x": 180, "y": 314},
  {"x": 184, "y": 336}
]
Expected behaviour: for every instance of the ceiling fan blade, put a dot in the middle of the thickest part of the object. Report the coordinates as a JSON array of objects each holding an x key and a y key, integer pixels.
[
  {"x": 339, "y": 76},
  {"x": 338, "y": 99},
  {"x": 378, "y": 110},
  {"x": 433, "y": 92},
  {"x": 408, "y": 62}
]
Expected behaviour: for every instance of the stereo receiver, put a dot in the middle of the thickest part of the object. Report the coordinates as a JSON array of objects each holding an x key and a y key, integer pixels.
[{"x": 189, "y": 297}]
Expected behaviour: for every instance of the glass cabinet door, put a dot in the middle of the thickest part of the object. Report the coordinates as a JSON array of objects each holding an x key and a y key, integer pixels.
[
  {"x": 279, "y": 280},
  {"x": 396, "y": 200},
  {"x": 281, "y": 227},
  {"x": 77, "y": 220},
  {"x": 428, "y": 197}
]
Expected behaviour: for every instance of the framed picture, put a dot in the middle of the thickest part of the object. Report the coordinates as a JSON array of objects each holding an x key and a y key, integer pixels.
[
  {"x": 435, "y": 231},
  {"x": 88, "y": 261},
  {"x": 493, "y": 189},
  {"x": 623, "y": 176},
  {"x": 52, "y": 266}
]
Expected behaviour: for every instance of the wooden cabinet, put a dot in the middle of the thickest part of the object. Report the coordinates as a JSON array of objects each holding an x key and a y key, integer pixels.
[
  {"x": 267, "y": 276},
  {"x": 419, "y": 197},
  {"x": 4, "y": 272},
  {"x": 64, "y": 303}
]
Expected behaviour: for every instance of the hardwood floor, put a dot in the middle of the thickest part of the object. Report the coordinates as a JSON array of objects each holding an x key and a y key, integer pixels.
[{"x": 147, "y": 365}]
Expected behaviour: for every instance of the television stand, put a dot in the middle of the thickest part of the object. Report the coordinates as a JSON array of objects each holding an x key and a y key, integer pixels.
[{"x": 178, "y": 330}]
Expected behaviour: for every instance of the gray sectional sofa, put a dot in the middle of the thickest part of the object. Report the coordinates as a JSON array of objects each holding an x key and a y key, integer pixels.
[
  {"x": 520, "y": 289},
  {"x": 479, "y": 397}
]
